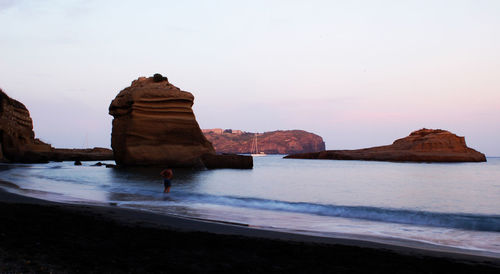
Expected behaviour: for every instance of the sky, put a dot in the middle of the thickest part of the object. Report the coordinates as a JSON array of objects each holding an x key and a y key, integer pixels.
[{"x": 357, "y": 73}]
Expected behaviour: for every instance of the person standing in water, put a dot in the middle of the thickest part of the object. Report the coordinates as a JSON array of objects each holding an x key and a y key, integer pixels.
[{"x": 167, "y": 174}]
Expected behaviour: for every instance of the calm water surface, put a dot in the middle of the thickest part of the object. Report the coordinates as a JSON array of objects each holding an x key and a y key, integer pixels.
[{"x": 453, "y": 205}]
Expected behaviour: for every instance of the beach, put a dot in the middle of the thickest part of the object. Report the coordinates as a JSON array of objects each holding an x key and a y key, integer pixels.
[
  {"x": 249, "y": 137},
  {"x": 43, "y": 236}
]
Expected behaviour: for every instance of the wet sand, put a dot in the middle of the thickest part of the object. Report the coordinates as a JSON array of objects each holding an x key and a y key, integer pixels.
[{"x": 42, "y": 236}]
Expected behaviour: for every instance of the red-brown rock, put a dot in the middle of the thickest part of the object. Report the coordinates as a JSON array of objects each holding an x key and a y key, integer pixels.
[
  {"x": 154, "y": 124},
  {"x": 273, "y": 142},
  {"x": 425, "y": 145},
  {"x": 18, "y": 142},
  {"x": 17, "y": 139}
]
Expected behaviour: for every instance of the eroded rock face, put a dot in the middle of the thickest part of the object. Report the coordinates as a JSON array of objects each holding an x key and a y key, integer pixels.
[
  {"x": 19, "y": 145},
  {"x": 17, "y": 139},
  {"x": 273, "y": 142},
  {"x": 154, "y": 124},
  {"x": 425, "y": 145}
]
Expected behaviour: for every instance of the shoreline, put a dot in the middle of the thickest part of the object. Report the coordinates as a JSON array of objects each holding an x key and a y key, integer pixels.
[
  {"x": 187, "y": 223},
  {"x": 133, "y": 219}
]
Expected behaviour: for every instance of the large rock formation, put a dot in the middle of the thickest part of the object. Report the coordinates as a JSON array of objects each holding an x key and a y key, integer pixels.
[
  {"x": 17, "y": 139},
  {"x": 273, "y": 142},
  {"x": 18, "y": 143},
  {"x": 154, "y": 125},
  {"x": 425, "y": 145}
]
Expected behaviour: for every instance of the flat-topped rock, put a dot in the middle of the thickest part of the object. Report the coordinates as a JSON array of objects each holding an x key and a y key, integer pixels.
[
  {"x": 82, "y": 154},
  {"x": 154, "y": 124},
  {"x": 425, "y": 145}
]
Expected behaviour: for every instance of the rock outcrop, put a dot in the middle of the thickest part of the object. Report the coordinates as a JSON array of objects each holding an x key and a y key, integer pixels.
[
  {"x": 19, "y": 145},
  {"x": 212, "y": 161},
  {"x": 154, "y": 124},
  {"x": 17, "y": 139},
  {"x": 81, "y": 154},
  {"x": 273, "y": 142},
  {"x": 425, "y": 145}
]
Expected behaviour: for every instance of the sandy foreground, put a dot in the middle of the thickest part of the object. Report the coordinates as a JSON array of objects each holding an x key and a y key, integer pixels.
[{"x": 42, "y": 236}]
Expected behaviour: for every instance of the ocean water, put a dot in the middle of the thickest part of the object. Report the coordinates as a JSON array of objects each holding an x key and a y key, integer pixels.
[{"x": 454, "y": 205}]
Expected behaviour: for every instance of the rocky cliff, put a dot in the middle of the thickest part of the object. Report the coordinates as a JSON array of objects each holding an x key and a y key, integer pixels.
[
  {"x": 274, "y": 142},
  {"x": 17, "y": 139},
  {"x": 18, "y": 142},
  {"x": 154, "y": 124},
  {"x": 425, "y": 145}
]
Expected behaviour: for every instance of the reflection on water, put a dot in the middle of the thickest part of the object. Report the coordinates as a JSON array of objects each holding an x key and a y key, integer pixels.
[{"x": 448, "y": 204}]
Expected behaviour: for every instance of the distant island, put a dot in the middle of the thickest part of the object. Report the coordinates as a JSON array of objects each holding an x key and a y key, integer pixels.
[
  {"x": 272, "y": 142},
  {"x": 424, "y": 145}
]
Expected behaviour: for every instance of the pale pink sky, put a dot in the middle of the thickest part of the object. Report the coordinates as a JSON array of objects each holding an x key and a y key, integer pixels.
[{"x": 358, "y": 73}]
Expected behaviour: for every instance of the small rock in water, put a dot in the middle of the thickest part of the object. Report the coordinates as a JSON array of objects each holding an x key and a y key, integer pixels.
[
  {"x": 98, "y": 164},
  {"x": 78, "y": 163}
]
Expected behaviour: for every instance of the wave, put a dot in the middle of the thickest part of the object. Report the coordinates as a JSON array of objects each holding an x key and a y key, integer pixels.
[{"x": 477, "y": 222}]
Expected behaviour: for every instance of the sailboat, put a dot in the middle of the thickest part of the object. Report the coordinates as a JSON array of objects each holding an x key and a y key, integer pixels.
[{"x": 254, "y": 151}]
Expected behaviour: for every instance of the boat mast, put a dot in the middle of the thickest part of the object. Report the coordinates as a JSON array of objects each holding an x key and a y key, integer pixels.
[{"x": 256, "y": 146}]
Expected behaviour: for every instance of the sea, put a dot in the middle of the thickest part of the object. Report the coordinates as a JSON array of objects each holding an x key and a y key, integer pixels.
[{"x": 443, "y": 205}]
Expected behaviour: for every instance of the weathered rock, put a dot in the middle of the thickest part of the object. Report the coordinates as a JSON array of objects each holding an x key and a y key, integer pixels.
[
  {"x": 274, "y": 142},
  {"x": 425, "y": 145},
  {"x": 18, "y": 142},
  {"x": 154, "y": 124},
  {"x": 17, "y": 139}
]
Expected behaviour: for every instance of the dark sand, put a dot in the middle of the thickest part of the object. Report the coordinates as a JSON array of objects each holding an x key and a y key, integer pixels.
[{"x": 40, "y": 236}]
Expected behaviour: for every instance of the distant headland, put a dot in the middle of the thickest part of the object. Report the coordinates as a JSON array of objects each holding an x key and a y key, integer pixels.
[
  {"x": 272, "y": 142},
  {"x": 424, "y": 145}
]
